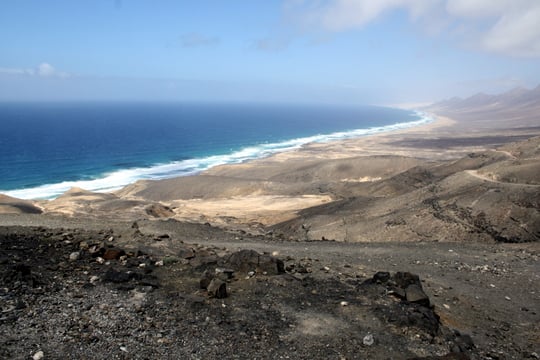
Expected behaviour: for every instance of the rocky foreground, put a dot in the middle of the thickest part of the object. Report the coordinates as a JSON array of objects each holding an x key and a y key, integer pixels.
[{"x": 133, "y": 293}]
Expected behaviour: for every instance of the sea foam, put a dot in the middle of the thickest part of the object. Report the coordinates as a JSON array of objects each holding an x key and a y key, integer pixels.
[{"x": 116, "y": 180}]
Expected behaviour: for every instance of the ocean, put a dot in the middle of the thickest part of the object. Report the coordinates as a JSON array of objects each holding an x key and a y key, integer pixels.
[{"x": 47, "y": 148}]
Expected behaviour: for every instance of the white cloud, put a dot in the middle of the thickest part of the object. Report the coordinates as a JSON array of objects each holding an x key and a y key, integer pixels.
[
  {"x": 42, "y": 70},
  {"x": 516, "y": 32},
  {"x": 45, "y": 69},
  {"x": 509, "y": 27}
]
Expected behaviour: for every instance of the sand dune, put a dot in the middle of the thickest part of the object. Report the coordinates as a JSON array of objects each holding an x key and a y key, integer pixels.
[{"x": 10, "y": 205}]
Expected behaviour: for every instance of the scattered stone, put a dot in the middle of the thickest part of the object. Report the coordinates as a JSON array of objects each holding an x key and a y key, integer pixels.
[
  {"x": 217, "y": 289},
  {"x": 74, "y": 256},
  {"x": 38, "y": 355},
  {"x": 344, "y": 303},
  {"x": 368, "y": 340},
  {"x": 100, "y": 260},
  {"x": 227, "y": 273},
  {"x": 113, "y": 254}
]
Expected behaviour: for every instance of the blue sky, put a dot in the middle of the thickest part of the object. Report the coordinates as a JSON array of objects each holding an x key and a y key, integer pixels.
[{"x": 333, "y": 51}]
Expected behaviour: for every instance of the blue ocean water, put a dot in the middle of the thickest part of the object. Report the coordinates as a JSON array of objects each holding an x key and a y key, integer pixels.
[{"x": 47, "y": 148}]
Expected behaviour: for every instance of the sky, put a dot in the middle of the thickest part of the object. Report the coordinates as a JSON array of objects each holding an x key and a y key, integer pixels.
[{"x": 307, "y": 51}]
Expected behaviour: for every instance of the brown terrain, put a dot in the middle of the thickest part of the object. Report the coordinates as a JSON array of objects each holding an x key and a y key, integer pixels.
[{"x": 420, "y": 243}]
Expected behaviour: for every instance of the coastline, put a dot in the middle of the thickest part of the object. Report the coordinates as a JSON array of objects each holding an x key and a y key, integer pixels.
[
  {"x": 366, "y": 145},
  {"x": 265, "y": 191},
  {"x": 115, "y": 180},
  {"x": 261, "y": 192}
]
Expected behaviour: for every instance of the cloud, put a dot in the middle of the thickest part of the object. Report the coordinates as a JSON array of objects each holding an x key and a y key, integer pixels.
[
  {"x": 197, "y": 40},
  {"x": 508, "y": 27},
  {"x": 42, "y": 70}
]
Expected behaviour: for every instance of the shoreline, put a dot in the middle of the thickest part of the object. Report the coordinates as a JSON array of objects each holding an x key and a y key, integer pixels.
[
  {"x": 242, "y": 156},
  {"x": 442, "y": 138}
]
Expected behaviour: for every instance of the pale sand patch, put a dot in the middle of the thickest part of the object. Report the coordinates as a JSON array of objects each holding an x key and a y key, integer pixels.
[
  {"x": 264, "y": 209},
  {"x": 362, "y": 179}
]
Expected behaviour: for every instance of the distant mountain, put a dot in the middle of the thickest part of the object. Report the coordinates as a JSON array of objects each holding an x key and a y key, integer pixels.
[
  {"x": 518, "y": 108},
  {"x": 517, "y": 98}
]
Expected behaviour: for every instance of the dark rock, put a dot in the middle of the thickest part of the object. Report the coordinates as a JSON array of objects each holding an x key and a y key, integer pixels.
[
  {"x": 404, "y": 279},
  {"x": 217, "y": 289},
  {"x": 96, "y": 250},
  {"x": 149, "y": 280},
  {"x": 205, "y": 280},
  {"x": 159, "y": 211},
  {"x": 381, "y": 277},
  {"x": 113, "y": 254},
  {"x": 248, "y": 260},
  {"x": 186, "y": 253},
  {"x": 224, "y": 273},
  {"x": 463, "y": 342},
  {"x": 162, "y": 237},
  {"x": 399, "y": 292},
  {"x": 411, "y": 315},
  {"x": 415, "y": 293},
  {"x": 114, "y": 276}
]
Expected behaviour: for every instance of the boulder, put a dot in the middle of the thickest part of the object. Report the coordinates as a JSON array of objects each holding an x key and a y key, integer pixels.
[
  {"x": 217, "y": 289},
  {"x": 249, "y": 260},
  {"x": 113, "y": 254}
]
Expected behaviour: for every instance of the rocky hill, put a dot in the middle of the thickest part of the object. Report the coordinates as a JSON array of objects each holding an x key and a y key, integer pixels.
[{"x": 485, "y": 196}]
